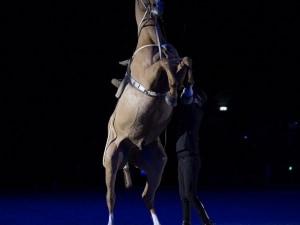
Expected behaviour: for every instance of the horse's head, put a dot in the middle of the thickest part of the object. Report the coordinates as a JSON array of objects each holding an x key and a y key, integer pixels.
[
  {"x": 155, "y": 64},
  {"x": 157, "y": 7},
  {"x": 148, "y": 9}
]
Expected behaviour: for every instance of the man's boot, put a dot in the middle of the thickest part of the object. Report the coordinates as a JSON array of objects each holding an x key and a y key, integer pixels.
[{"x": 186, "y": 212}]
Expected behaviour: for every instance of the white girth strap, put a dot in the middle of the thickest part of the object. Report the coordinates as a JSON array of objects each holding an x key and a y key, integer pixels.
[{"x": 141, "y": 88}]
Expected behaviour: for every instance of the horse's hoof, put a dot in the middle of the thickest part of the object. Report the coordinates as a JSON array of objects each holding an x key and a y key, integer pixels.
[{"x": 171, "y": 100}]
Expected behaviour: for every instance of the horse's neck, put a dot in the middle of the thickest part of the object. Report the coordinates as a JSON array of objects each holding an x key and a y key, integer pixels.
[{"x": 150, "y": 35}]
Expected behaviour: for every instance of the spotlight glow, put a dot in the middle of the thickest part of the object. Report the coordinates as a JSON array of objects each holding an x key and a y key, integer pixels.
[{"x": 223, "y": 108}]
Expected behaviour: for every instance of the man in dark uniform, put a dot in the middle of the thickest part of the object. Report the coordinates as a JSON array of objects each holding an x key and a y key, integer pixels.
[{"x": 188, "y": 114}]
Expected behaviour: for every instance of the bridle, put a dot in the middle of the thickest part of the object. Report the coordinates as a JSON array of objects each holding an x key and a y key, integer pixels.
[{"x": 152, "y": 11}]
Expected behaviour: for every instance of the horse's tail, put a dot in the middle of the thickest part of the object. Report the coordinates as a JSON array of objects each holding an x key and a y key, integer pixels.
[{"x": 127, "y": 176}]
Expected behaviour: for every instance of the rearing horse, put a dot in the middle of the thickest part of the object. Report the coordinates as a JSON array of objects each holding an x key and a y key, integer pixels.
[{"x": 147, "y": 96}]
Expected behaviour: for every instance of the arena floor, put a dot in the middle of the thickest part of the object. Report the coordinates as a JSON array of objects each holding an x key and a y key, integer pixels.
[{"x": 86, "y": 206}]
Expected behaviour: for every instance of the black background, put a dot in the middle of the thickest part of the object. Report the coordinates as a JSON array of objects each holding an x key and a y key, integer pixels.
[{"x": 58, "y": 97}]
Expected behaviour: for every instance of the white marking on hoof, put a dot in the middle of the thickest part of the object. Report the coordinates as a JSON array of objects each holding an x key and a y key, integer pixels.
[{"x": 155, "y": 219}]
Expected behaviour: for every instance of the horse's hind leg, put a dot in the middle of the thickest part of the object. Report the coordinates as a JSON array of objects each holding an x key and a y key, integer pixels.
[
  {"x": 111, "y": 163},
  {"x": 154, "y": 174},
  {"x": 110, "y": 179}
]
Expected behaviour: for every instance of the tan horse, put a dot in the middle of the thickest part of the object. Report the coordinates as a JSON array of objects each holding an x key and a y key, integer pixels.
[{"x": 147, "y": 96}]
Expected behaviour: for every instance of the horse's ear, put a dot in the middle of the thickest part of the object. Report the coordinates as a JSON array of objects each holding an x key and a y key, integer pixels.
[{"x": 124, "y": 62}]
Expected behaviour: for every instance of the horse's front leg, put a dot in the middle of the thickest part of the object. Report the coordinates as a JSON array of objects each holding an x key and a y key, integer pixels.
[
  {"x": 171, "y": 97},
  {"x": 185, "y": 66}
]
